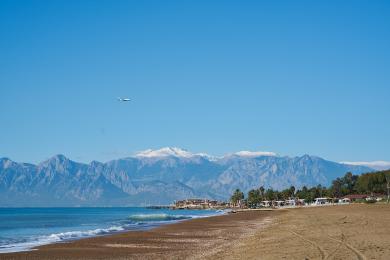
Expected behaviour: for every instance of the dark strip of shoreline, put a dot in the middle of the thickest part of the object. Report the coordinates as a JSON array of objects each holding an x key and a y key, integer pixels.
[{"x": 191, "y": 238}]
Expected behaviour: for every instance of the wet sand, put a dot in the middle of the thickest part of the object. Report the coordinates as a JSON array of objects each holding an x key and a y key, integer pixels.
[
  {"x": 332, "y": 232},
  {"x": 193, "y": 238}
]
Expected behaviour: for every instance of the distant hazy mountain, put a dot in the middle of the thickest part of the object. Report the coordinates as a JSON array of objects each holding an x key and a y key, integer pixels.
[
  {"x": 376, "y": 165},
  {"x": 158, "y": 177}
]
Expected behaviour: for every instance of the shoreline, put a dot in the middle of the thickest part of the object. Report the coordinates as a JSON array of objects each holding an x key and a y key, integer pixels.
[
  {"x": 173, "y": 239},
  {"x": 142, "y": 222},
  {"x": 355, "y": 231}
]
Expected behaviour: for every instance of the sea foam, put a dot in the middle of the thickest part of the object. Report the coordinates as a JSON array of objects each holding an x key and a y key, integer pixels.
[
  {"x": 139, "y": 220},
  {"x": 57, "y": 237}
]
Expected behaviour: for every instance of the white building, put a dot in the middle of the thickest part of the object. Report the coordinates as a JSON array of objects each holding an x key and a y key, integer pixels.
[{"x": 321, "y": 201}]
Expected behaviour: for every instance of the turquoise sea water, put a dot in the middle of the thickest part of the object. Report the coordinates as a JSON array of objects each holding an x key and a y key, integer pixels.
[{"x": 24, "y": 228}]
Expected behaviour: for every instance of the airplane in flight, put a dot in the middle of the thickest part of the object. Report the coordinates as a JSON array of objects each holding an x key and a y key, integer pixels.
[{"x": 123, "y": 99}]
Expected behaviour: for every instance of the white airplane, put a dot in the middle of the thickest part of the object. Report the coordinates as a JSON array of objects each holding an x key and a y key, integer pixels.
[{"x": 124, "y": 99}]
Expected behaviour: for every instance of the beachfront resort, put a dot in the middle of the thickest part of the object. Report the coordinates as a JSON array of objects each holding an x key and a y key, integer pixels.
[{"x": 291, "y": 202}]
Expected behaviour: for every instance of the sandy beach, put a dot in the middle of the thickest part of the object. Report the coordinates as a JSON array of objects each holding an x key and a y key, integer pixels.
[{"x": 356, "y": 231}]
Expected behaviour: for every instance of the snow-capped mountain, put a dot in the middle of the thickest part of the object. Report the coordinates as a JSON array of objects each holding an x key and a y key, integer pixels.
[
  {"x": 158, "y": 177},
  {"x": 169, "y": 151},
  {"x": 377, "y": 165}
]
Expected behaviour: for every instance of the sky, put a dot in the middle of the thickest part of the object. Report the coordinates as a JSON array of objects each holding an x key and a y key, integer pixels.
[{"x": 291, "y": 77}]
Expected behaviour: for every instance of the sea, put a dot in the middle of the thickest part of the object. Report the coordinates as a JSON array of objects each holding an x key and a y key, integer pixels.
[{"x": 21, "y": 229}]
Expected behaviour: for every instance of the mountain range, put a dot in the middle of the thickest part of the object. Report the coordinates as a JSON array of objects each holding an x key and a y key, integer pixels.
[{"x": 158, "y": 177}]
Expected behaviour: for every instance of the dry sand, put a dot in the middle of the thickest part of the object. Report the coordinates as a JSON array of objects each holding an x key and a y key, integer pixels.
[
  {"x": 333, "y": 232},
  {"x": 355, "y": 231}
]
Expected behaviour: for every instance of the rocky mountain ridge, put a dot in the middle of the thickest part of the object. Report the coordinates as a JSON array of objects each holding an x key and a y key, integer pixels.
[{"x": 158, "y": 177}]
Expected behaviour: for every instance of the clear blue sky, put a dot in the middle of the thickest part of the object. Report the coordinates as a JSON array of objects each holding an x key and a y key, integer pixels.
[{"x": 292, "y": 77}]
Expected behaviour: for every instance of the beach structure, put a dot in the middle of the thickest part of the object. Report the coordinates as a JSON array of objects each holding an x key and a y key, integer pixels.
[
  {"x": 344, "y": 200},
  {"x": 282, "y": 203},
  {"x": 355, "y": 197},
  {"x": 322, "y": 201},
  {"x": 238, "y": 204},
  {"x": 374, "y": 198},
  {"x": 198, "y": 204},
  {"x": 278, "y": 203},
  {"x": 290, "y": 202},
  {"x": 266, "y": 203}
]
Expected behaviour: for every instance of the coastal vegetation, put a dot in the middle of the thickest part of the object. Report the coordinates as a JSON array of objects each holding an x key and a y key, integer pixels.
[
  {"x": 237, "y": 197},
  {"x": 374, "y": 183}
]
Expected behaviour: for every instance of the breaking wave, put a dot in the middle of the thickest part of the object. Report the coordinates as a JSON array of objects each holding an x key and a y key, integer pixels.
[
  {"x": 141, "y": 221},
  {"x": 55, "y": 238},
  {"x": 158, "y": 217}
]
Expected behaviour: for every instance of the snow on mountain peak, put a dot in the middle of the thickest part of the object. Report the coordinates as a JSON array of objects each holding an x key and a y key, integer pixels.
[
  {"x": 377, "y": 165},
  {"x": 168, "y": 151},
  {"x": 254, "y": 154},
  {"x": 181, "y": 153}
]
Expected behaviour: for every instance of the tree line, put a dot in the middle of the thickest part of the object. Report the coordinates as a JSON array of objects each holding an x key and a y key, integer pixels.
[{"x": 368, "y": 183}]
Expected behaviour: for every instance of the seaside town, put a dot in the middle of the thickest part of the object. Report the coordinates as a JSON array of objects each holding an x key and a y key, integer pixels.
[
  {"x": 292, "y": 202},
  {"x": 366, "y": 188}
]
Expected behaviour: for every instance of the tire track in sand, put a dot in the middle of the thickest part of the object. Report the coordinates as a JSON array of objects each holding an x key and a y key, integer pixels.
[
  {"x": 342, "y": 242},
  {"x": 359, "y": 255},
  {"x": 319, "y": 248},
  {"x": 342, "y": 219},
  {"x": 337, "y": 248}
]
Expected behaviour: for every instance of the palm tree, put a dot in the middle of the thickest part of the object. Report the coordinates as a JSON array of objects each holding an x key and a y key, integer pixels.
[
  {"x": 387, "y": 175},
  {"x": 237, "y": 197},
  {"x": 262, "y": 190}
]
